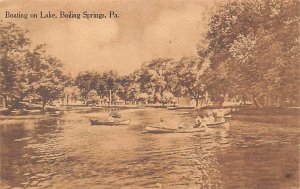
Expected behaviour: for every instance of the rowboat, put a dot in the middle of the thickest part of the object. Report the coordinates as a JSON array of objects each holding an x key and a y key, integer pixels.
[
  {"x": 55, "y": 113},
  {"x": 109, "y": 123},
  {"x": 153, "y": 129},
  {"x": 32, "y": 111}
]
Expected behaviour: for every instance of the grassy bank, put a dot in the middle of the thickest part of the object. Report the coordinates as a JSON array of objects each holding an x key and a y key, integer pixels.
[
  {"x": 288, "y": 116},
  {"x": 290, "y": 111}
]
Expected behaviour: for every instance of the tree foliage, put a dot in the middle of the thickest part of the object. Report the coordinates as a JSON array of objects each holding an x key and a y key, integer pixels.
[
  {"x": 258, "y": 44},
  {"x": 250, "y": 51},
  {"x": 27, "y": 73}
]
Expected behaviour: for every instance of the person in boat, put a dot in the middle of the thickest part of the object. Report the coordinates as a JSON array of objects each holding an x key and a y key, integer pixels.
[
  {"x": 198, "y": 122},
  {"x": 204, "y": 122},
  {"x": 211, "y": 119},
  {"x": 115, "y": 114},
  {"x": 222, "y": 116}
]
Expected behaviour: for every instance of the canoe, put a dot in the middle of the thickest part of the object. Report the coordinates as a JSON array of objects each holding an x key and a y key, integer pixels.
[
  {"x": 109, "y": 123},
  {"x": 32, "y": 111},
  {"x": 152, "y": 129}
]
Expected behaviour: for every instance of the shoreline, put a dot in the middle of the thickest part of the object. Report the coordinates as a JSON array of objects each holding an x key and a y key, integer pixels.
[{"x": 236, "y": 111}]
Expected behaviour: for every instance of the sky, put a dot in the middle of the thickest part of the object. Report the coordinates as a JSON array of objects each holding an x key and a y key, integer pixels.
[{"x": 145, "y": 30}]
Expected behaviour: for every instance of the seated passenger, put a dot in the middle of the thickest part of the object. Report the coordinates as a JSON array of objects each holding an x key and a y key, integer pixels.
[
  {"x": 198, "y": 121},
  {"x": 204, "y": 121},
  {"x": 221, "y": 116},
  {"x": 211, "y": 119},
  {"x": 222, "y": 119}
]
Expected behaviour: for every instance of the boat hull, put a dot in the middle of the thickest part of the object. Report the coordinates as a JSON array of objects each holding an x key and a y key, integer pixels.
[
  {"x": 151, "y": 129},
  {"x": 218, "y": 124},
  {"x": 55, "y": 114},
  {"x": 109, "y": 123}
]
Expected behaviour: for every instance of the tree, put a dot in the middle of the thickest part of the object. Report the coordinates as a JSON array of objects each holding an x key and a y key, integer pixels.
[
  {"x": 153, "y": 77},
  {"x": 129, "y": 88},
  {"x": 255, "y": 43},
  {"x": 46, "y": 78},
  {"x": 14, "y": 44},
  {"x": 189, "y": 71},
  {"x": 93, "y": 98},
  {"x": 103, "y": 83},
  {"x": 84, "y": 82},
  {"x": 169, "y": 97}
]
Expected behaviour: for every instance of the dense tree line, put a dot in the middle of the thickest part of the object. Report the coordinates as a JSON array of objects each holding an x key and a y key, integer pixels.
[
  {"x": 95, "y": 86},
  {"x": 250, "y": 53}
]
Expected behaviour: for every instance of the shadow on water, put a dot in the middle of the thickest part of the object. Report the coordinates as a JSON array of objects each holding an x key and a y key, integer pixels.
[
  {"x": 10, "y": 167},
  {"x": 23, "y": 155}
]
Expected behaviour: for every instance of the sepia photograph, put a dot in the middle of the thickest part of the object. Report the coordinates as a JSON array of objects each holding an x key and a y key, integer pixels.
[{"x": 134, "y": 94}]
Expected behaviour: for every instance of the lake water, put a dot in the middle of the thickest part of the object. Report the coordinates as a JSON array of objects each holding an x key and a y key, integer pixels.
[{"x": 67, "y": 152}]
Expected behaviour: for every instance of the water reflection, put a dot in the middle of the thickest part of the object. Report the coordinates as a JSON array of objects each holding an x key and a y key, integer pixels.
[
  {"x": 28, "y": 147},
  {"x": 66, "y": 152}
]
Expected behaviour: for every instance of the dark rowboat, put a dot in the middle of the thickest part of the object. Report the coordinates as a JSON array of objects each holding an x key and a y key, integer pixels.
[{"x": 109, "y": 123}]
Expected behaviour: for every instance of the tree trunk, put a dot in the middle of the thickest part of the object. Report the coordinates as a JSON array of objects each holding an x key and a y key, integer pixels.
[
  {"x": 44, "y": 104},
  {"x": 255, "y": 101},
  {"x": 282, "y": 99},
  {"x": 197, "y": 101},
  {"x": 244, "y": 100},
  {"x": 206, "y": 102},
  {"x": 221, "y": 101},
  {"x": 5, "y": 101}
]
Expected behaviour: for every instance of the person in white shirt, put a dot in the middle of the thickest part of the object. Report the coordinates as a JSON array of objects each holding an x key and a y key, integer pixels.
[
  {"x": 204, "y": 121},
  {"x": 211, "y": 119}
]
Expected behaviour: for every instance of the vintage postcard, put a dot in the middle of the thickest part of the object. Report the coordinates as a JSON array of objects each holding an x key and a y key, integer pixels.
[{"x": 174, "y": 94}]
